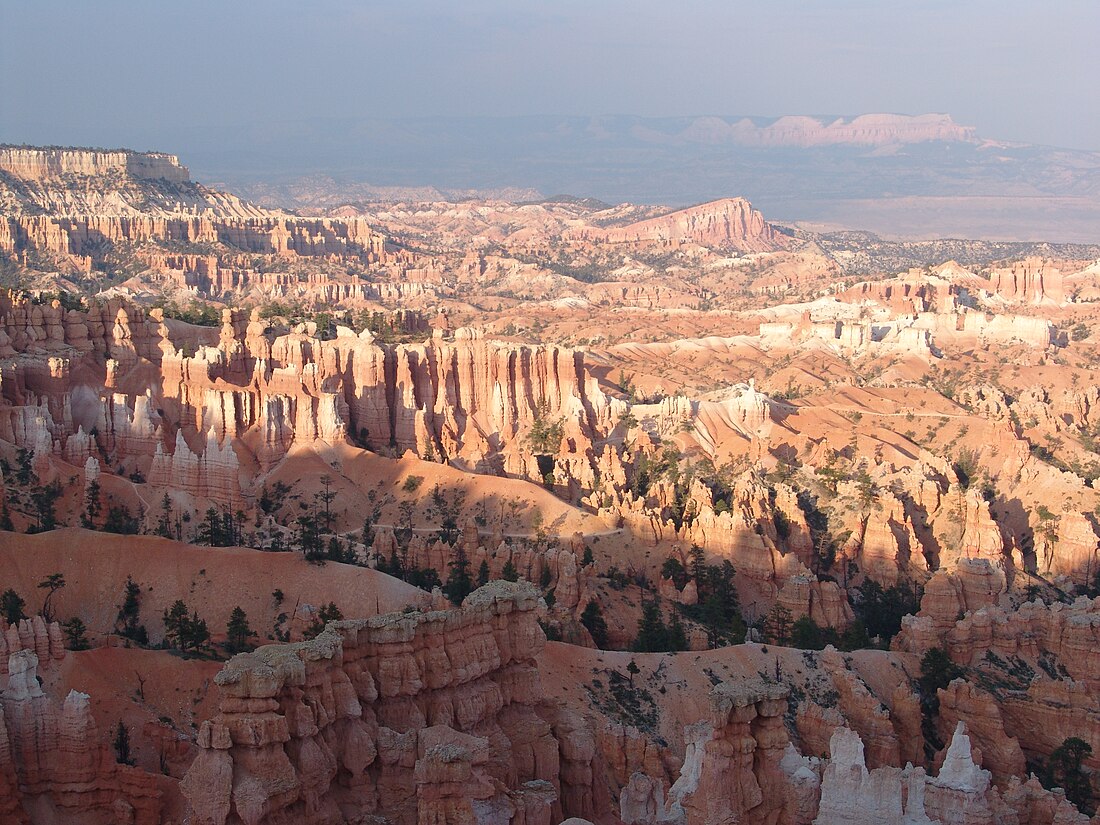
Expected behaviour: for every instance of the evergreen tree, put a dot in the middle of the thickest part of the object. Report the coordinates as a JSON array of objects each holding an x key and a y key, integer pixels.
[
  {"x": 509, "y": 573},
  {"x": 483, "y": 573},
  {"x": 594, "y": 622},
  {"x": 936, "y": 672},
  {"x": 677, "y": 636},
  {"x": 237, "y": 631},
  {"x": 308, "y": 538},
  {"x": 122, "y": 744},
  {"x": 196, "y": 633},
  {"x": 458, "y": 585},
  {"x": 336, "y": 551},
  {"x": 587, "y": 558},
  {"x": 1064, "y": 771},
  {"x": 52, "y": 583},
  {"x": 426, "y": 579},
  {"x": 11, "y": 607},
  {"x": 855, "y": 637},
  {"x": 44, "y": 499},
  {"x": 120, "y": 520},
  {"x": 328, "y": 613},
  {"x": 778, "y": 626},
  {"x": 75, "y": 634},
  {"x": 164, "y": 521},
  {"x": 632, "y": 669},
  {"x": 5, "y": 516},
  {"x": 806, "y": 634},
  {"x": 697, "y": 561},
  {"x": 882, "y": 610},
  {"x": 652, "y": 633},
  {"x": 674, "y": 570},
  {"x": 175, "y": 624},
  {"x": 129, "y": 612},
  {"x": 92, "y": 506}
]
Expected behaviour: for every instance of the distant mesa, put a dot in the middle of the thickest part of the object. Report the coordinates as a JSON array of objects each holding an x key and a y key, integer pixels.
[
  {"x": 36, "y": 164},
  {"x": 730, "y": 223},
  {"x": 803, "y": 131}
]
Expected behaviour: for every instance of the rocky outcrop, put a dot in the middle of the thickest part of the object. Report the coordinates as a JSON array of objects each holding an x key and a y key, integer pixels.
[
  {"x": 1030, "y": 281},
  {"x": 731, "y": 223},
  {"x": 51, "y": 758},
  {"x": 471, "y": 400},
  {"x": 961, "y": 793},
  {"x": 735, "y": 765},
  {"x": 77, "y": 205},
  {"x": 1001, "y": 753},
  {"x": 34, "y": 635},
  {"x": 33, "y": 164},
  {"x": 416, "y": 717}
]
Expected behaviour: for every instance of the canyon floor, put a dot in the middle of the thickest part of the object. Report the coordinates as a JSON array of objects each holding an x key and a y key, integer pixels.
[{"x": 524, "y": 512}]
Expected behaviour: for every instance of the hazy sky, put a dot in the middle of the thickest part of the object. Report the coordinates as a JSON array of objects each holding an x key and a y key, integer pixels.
[{"x": 144, "y": 74}]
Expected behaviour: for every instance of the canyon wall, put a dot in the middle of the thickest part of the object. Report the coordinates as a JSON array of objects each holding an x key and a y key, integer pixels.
[
  {"x": 40, "y": 164},
  {"x": 53, "y": 767},
  {"x": 83, "y": 377},
  {"x": 415, "y": 717}
]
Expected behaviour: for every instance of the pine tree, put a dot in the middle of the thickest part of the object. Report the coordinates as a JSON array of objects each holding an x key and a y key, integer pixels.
[
  {"x": 483, "y": 573},
  {"x": 92, "y": 506},
  {"x": 509, "y": 573},
  {"x": 652, "y": 634},
  {"x": 326, "y": 497},
  {"x": 677, "y": 636},
  {"x": 129, "y": 612},
  {"x": 328, "y": 613},
  {"x": 52, "y": 583},
  {"x": 458, "y": 585},
  {"x": 697, "y": 563},
  {"x": 120, "y": 520},
  {"x": 11, "y": 607},
  {"x": 308, "y": 538},
  {"x": 196, "y": 634},
  {"x": 75, "y": 634},
  {"x": 633, "y": 669},
  {"x": 122, "y": 744},
  {"x": 237, "y": 631},
  {"x": 779, "y": 624},
  {"x": 164, "y": 522},
  {"x": 594, "y": 622},
  {"x": 1064, "y": 771},
  {"x": 175, "y": 624}
]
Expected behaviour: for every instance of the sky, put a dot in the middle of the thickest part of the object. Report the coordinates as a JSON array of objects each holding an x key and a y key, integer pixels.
[{"x": 149, "y": 74}]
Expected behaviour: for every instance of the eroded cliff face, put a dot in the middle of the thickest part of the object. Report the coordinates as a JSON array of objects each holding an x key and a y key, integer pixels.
[
  {"x": 960, "y": 793},
  {"x": 53, "y": 767},
  {"x": 739, "y": 766},
  {"x": 415, "y": 717},
  {"x": 76, "y": 205},
  {"x": 1031, "y": 677},
  {"x": 33, "y": 164},
  {"x": 731, "y": 223},
  {"x": 117, "y": 383}
]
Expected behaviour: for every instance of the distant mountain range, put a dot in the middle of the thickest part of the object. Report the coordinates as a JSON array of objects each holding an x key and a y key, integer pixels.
[{"x": 897, "y": 175}]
